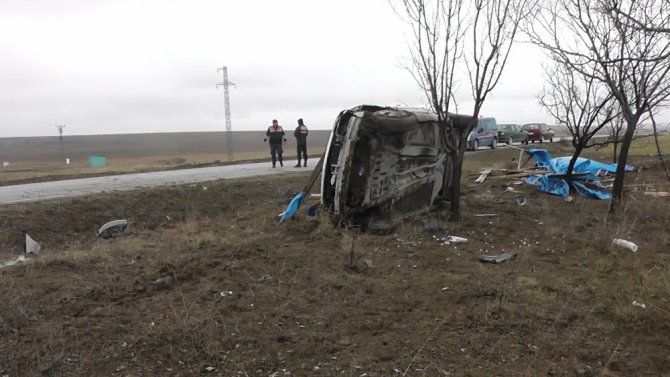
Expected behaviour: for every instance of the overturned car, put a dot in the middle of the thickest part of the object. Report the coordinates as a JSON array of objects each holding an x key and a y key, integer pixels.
[{"x": 382, "y": 162}]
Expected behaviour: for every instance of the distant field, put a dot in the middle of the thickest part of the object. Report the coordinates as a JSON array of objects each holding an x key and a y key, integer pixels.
[{"x": 39, "y": 158}]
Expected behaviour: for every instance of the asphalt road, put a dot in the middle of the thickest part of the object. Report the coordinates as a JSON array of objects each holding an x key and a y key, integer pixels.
[{"x": 126, "y": 182}]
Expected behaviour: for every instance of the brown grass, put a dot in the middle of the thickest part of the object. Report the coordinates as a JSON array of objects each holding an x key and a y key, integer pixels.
[{"x": 300, "y": 306}]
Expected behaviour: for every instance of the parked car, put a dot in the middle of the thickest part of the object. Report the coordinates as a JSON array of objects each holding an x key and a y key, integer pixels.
[
  {"x": 538, "y": 132},
  {"x": 381, "y": 161},
  {"x": 509, "y": 133},
  {"x": 484, "y": 134}
]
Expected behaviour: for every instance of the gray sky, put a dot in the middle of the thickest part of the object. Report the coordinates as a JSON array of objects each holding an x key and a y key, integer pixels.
[{"x": 125, "y": 66}]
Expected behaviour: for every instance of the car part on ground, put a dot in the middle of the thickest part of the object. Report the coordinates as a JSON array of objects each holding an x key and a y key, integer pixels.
[
  {"x": 112, "y": 228},
  {"x": 384, "y": 163}
]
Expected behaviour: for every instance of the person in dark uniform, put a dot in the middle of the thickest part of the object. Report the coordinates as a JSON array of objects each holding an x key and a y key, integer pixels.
[
  {"x": 300, "y": 134},
  {"x": 275, "y": 135}
]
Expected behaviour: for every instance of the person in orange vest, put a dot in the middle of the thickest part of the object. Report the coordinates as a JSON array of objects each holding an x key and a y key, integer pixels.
[
  {"x": 275, "y": 135},
  {"x": 300, "y": 134}
]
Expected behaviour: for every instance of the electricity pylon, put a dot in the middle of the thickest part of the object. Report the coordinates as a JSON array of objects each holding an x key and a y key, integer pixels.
[{"x": 229, "y": 128}]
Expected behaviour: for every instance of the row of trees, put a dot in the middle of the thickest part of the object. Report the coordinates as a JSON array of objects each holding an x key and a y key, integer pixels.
[{"x": 610, "y": 62}]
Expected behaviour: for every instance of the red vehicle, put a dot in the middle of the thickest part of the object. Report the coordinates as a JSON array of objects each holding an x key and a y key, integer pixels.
[{"x": 538, "y": 132}]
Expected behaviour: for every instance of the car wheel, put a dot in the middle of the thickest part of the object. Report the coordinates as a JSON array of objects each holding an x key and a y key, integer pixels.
[
  {"x": 494, "y": 143},
  {"x": 476, "y": 144},
  {"x": 551, "y": 139}
]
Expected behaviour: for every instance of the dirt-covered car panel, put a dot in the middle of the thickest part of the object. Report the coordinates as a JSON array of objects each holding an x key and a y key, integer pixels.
[{"x": 381, "y": 161}]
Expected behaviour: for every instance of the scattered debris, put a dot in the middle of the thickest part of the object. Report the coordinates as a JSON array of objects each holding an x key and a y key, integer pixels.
[
  {"x": 625, "y": 244},
  {"x": 30, "y": 246},
  {"x": 569, "y": 199},
  {"x": 482, "y": 177},
  {"x": 496, "y": 259},
  {"x": 445, "y": 289},
  {"x": 639, "y": 304},
  {"x": 521, "y": 200},
  {"x": 511, "y": 189},
  {"x": 5, "y": 164},
  {"x": 225, "y": 293},
  {"x": 112, "y": 228},
  {"x": 487, "y": 215},
  {"x": 369, "y": 263}
]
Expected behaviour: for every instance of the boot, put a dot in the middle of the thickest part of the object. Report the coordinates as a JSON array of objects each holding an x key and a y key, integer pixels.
[
  {"x": 281, "y": 161},
  {"x": 305, "y": 164},
  {"x": 298, "y": 165},
  {"x": 274, "y": 161}
]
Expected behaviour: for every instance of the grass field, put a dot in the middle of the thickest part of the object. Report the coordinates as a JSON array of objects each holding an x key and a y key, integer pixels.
[{"x": 205, "y": 281}]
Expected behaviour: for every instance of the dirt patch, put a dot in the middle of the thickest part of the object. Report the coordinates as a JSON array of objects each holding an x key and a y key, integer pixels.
[{"x": 242, "y": 295}]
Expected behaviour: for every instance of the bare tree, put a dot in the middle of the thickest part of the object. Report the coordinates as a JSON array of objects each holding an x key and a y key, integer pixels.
[
  {"x": 581, "y": 103},
  {"x": 493, "y": 33},
  {"x": 438, "y": 29},
  {"x": 633, "y": 63}
]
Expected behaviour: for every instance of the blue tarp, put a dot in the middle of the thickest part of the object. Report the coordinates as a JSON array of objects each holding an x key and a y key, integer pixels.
[
  {"x": 293, "y": 207},
  {"x": 585, "y": 171}
]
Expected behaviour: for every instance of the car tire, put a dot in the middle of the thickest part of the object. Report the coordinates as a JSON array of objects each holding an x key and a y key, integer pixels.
[
  {"x": 494, "y": 143},
  {"x": 551, "y": 139},
  {"x": 475, "y": 145}
]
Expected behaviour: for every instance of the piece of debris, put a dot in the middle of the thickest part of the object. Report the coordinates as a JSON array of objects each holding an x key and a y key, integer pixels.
[
  {"x": 112, "y": 228},
  {"x": 30, "y": 246},
  {"x": 225, "y": 293},
  {"x": 453, "y": 240},
  {"x": 569, "y": 199},
  {"x": 20, "y": 258},
  {"x": 504, "y": 257},
  {"x": 639, "y": 304},
  {"x": 369, "y": 263},
  {"x": 445, "y": 289},
  {"x": 487, "y": 215},
  {"x": 482, "y": 177},
  {"x": 521, "y": 200},
  {"x": 511, "y": 189},
  {"x": 159, "y": 284},
  {"x": 625, "y": 244},
  {"x": 657, "y": 194}
]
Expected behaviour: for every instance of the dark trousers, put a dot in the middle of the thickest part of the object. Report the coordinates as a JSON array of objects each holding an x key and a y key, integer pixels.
[
  {"x": 276, "y": 149},
  {"x": 302, "y": 149}
]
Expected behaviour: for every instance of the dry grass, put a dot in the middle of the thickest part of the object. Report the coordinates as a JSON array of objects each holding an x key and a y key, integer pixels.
[{"x": 251, "y": 297}]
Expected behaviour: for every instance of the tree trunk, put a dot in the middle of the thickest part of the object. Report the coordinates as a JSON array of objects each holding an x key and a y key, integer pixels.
[
  {"x": 617, "y": 188},
  {"x": 616, "y": 144},
  {"x": 573, "y": 160},
  {"x": 455, "y": 214}
]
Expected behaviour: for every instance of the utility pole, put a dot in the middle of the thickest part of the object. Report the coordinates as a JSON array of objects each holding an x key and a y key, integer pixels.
[
  {"x": 60, "y": 137},
  {"x": 226, "y": 102}
]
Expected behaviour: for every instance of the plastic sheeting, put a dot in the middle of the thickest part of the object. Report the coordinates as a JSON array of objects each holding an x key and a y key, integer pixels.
[
  {"x": 585, "y": 179},
  {"x": 293, "y": 207}
]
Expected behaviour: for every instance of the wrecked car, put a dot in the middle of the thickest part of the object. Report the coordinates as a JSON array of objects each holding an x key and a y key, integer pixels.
[{"x": 382, "y": 162}]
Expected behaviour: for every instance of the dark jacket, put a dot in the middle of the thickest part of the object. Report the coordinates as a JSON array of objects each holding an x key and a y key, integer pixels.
[
  {"x": 275, "y": 134},
  {"x": 300, "y": 133}
]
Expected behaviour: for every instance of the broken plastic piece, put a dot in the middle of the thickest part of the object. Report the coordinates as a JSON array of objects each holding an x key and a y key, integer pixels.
[
  {"x": 31, "y": 246},
  {"x": 112, "y": 228},
  {"x": 625, "y": 244},
  {"x": 455, "y": 239},
  {"x": 639, "y": 304},
  {"x": 504, "y": 257}
]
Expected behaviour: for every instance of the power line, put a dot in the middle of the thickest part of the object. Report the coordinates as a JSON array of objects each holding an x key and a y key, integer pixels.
[{"x": 226, "y": 102}]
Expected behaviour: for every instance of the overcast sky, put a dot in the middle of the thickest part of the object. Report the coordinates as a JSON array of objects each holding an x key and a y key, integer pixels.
[{"x": 124, "y": 66}]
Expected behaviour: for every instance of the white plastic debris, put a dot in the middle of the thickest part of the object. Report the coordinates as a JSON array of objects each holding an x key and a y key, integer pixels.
[
  {"x": 32, "y": 246},
  {"x": 112, "y": 228},
  {"x": 454, "y": 240},
  {"x": 20, "y": 258},
  {"x": 639, "y": 304},
  {"x": 225, "y": 293},
  {"x": 625, "y": 244}
]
